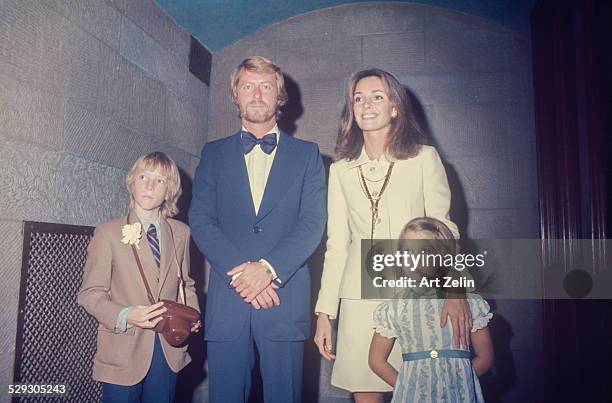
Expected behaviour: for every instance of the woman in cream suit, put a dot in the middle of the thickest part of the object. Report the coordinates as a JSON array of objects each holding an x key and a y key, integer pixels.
[{"x": 383, "y": 178}]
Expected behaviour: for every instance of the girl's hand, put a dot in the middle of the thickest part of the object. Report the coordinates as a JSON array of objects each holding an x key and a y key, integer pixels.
[
  {"x": 146, "y": 317},
  {"x": 196, "y": 327},
  {"x": 461, "y": 320},
  {"x": 323, "y": 337}
]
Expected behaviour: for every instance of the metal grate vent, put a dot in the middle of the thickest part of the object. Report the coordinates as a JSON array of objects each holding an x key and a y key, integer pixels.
[{"x": 55, "y": 337}]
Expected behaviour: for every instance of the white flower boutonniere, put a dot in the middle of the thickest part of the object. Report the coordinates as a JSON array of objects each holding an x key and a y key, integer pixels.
[{"x": 131, "y": 234}]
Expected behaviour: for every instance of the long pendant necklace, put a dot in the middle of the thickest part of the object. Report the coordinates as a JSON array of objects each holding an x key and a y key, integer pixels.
[{"x": 374, "y": 203}]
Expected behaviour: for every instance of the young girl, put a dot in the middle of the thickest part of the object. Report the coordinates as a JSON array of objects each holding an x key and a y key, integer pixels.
[
  {"x": 432, "y": 369},
  {"x": 134, "y": 363}
]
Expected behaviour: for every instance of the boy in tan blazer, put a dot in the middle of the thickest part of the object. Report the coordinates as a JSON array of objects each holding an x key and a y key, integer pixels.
[{"x": 134, "y": 363}]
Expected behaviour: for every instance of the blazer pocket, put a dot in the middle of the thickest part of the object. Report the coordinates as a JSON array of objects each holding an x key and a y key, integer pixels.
[{"x": 114, "y": 348}]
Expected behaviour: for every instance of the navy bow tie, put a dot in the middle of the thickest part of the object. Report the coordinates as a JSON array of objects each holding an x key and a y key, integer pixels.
[{"x": 267, "y": 142}]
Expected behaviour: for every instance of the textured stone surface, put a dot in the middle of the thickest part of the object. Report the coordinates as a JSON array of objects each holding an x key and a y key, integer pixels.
[
  {"x": 469, "y": 130},
  {"x": 494, "y": 182},
  {"x": 102, "y": 140},
  {"x": 319, "y": 105},
  {"x": 150, "y": 56},
  {"x": 503, "y": 224},
  {"x": 464, "y": 51},
  {"x": 182, "y": 158},
  {"x": 198, "y": 93},
  {"x": 154, "y": 20},
  {"x": 435, "y": 89},
  {"x": 26, "y": 189},
  {"x": 70, "y": 59},
  {"x": 441, "y": 19},
  {"x": 306, "y": 59},
  {"x": 48, "y": 51},
  {"x": 22, "y": 27},
  {"x": 6, "y": 372},
  {"x": 42, "y": 185},
  {"x": 488, "y": 88},
  {"x": 88, "y": 193},
  {"x": 396, "y": 53},
  {"x": 221, "y": 101},
  {"x": 369, "y": 19},
  {"x": 318, "y": 24},
  {"x": 222, "y": 125},
  {"x": 224, "y": 63},
  {"x": 97, "y": 17},
  {"x": 30, "y": 115},
  {"x": 185, "y": 125},
  {"x": 11, "y": 240},
  {"x": 130, "y": 96}
]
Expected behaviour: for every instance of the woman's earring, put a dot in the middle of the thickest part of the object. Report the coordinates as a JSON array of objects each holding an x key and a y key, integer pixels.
[{"x": 394, "y": 114}]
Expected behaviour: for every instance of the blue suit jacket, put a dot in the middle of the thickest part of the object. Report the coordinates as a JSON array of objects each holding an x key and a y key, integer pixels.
[{"x": 285, "y": 232}]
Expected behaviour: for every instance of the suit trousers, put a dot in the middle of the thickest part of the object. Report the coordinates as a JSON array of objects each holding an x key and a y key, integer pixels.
[
  {"x": 158, "y": 386},
  {"x": 230, "y": 364}
]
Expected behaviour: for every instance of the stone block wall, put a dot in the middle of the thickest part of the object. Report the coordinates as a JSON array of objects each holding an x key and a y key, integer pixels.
[{"x": 86, "y": 86}]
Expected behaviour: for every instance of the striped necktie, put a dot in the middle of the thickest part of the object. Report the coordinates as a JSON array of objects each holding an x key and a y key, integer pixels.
[{"x": 154, "y": 243}]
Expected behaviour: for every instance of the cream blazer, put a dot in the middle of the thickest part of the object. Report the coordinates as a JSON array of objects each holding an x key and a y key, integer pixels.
[
  {"x": 418, "y": 187},
  {"x": 112, "y": 281}
]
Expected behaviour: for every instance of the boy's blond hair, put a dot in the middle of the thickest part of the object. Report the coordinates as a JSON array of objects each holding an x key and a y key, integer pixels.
[{"x": 153, "y": 161}]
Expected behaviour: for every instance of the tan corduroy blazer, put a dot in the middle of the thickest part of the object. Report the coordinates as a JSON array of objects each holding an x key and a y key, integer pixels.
[
  {"x": 417, "y": 187},
  {"x": 112, "y": 281}
]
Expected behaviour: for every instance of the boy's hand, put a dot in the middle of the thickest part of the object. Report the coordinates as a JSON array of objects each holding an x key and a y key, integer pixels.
[{"x": 146, "y": 317}]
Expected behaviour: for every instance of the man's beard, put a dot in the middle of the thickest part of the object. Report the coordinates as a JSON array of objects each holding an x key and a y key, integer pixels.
[{"x": 257, "y": 115}]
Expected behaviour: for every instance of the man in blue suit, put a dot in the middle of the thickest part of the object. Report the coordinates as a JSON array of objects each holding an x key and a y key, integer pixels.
[{"x": 258, "y": 212}]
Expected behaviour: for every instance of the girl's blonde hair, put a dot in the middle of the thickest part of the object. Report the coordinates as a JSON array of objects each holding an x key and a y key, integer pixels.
[
  {"x": 151, "y": 162},
  {"x": 440, "y": 240}
]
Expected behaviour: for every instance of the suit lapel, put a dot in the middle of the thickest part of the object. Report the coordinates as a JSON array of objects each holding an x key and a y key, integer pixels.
[
  {"x": 282, "y": 175},
  {"x": 237, "y": 177},
  {"x": 168, "y": 254},
  {"x": 146, "y": 258}
]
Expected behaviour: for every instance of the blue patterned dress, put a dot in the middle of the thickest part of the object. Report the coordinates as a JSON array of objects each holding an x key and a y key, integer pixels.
[{"x": 415, "y": 322}]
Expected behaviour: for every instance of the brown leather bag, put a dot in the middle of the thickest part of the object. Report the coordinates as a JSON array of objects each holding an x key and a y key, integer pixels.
[
  {"x": 177, "y": 322},
  {"x": 179, "y": 318}
]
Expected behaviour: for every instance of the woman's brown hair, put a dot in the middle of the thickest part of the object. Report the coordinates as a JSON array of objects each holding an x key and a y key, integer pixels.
[{"x": 404, "y": 139}]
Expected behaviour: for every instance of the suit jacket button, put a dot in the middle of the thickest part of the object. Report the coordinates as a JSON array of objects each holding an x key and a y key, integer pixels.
[{"x": 257, "y": 229}]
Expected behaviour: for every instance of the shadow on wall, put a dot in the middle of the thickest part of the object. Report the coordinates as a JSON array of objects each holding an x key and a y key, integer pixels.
[
  {"x": 502, "y": 377},
  {"x": 497, "y": 382},
  {"x": 459, "y": 209},
  {"x": 293, "y": 109},
  {"x": 192, "y": 375}
]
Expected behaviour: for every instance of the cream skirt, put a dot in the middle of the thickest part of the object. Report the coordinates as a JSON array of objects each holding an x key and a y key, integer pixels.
[{"x": 355, "y": 330}]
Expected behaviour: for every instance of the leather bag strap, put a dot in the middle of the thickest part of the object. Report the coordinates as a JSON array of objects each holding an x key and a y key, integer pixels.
[
  {"x": 146, "y": 283},
  {"x": 144, "y": 279}
]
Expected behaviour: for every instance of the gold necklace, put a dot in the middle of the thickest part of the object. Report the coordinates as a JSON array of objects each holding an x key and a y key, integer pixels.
[{"x": 374, "y": 203}]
